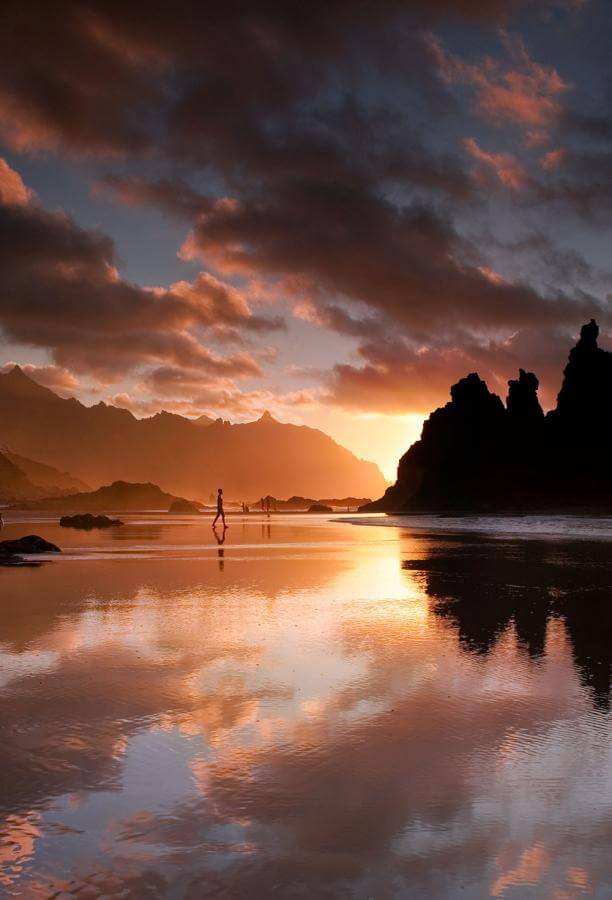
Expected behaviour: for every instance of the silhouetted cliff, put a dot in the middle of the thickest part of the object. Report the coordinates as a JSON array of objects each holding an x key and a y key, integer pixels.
[{"x": 477, "y": 454}]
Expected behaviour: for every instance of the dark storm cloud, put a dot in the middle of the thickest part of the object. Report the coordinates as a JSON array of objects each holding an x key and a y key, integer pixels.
[
  {"x": 393, "y": 376},
  {"x": 333, "y": 244},
  {"x": 406, "y": 262},
  {"x": 59, "y": 289},
  {"x": 330, "y": 179},
  {"x": 344, "y": 239},
  {"x": 90, "y": 76}
]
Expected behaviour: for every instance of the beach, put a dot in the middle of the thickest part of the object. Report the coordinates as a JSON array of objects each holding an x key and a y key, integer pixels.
[{"x": 316, "y": 707}]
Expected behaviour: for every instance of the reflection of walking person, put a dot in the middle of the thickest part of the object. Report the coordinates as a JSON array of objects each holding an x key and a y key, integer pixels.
[
  {"x": 220, "y": 551},
  {"x": 220, "y": 511}
]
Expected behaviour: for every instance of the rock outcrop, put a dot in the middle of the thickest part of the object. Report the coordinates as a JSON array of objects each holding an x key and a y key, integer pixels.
[
  {"x": 183, "y": 507},
  {"x": 477, "y": 454},
  {"x": 120, "y": 496},
  {"x": 303, "y": 504},
  {"x": 87, "y": 521},
  {"x": 11, "y": 552}
]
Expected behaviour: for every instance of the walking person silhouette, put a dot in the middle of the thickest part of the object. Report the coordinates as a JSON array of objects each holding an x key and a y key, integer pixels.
[{"x": 220, "y": 510}]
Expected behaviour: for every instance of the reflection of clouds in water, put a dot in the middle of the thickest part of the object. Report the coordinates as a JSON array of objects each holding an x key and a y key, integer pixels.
[
  {"x": 307, "y": 725},
  {"x": 18, "y": 834},
  {"x": 14, "y": 665}
]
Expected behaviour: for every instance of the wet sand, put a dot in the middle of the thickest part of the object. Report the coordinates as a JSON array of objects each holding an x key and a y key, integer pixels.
[{"x": 312, "y": 709}]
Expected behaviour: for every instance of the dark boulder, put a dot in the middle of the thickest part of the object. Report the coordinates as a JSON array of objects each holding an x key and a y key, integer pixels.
[
  {"x": 31, "y": 543},
  {"x": 319, "y": 508},
  {"x": 7, "y": 558},
  {"x": 87, "y": 521}
]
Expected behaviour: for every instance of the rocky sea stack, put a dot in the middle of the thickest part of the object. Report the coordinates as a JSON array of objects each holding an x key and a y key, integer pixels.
[{"x": 477, "y": 454}]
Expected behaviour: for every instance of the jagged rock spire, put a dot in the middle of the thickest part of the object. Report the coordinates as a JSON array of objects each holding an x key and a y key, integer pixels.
[
  {"x": 589, "y": 334},
  {"x": 522, "y": 402},
  {"x": 475, "y": 453}
]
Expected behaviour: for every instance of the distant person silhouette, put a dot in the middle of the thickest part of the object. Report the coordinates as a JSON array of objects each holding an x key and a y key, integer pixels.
[{"x": 220, "y": 510}]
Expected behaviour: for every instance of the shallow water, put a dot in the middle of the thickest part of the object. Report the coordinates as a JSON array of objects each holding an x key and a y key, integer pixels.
[
  {"x": 308, "y": 710},
  {"x": 576, "y": 527}
]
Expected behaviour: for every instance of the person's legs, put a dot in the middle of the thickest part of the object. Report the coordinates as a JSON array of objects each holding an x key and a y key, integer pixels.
[{"x": 215, "y": 519}]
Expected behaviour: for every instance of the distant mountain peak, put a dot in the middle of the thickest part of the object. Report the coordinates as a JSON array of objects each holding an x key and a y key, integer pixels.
[
  {"x": 103, "y": 443},
  {"x": 17, "y": 372},
  {"x": 17, "y": 380},
  {"x": 203, "y": 420},
  {"x": 267, "y": 417}
]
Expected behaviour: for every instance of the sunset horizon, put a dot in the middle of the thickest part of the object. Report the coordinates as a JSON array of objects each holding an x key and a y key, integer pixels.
[
  {"x": 305, "y": 442},
  {"x": 331, "y": 216}
]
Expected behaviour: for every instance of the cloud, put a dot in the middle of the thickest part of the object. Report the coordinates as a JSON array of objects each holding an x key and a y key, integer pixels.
[
  {"x": 405, "y": 262},
  {"x": 395, "y": 376},
  {"x": 524, "y": 93},
  {"x": 186, "y": 389},
  {"x": 504, "y": 166},
  {"x": 553, "y": 159},
  {"x": 294, "y": 181},
  {"x": 57, "y": 378},
  {"x": 174, "y": 197},
  {"x": 60, "y": 290},
  {"x": 100, "y": 79},
  {"x": 13, "y": 191},
  {"x": 176, "y": 381},
  {"x": 328, "y": 241},
  {"x": 145, "y": 407}
]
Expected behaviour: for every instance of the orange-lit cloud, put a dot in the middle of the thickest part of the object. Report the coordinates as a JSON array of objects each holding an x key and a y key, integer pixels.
[
  {"x": 553, "y": 159},
  {"x": 58, "y": 378},
  {"x": 185, "y": 392},
  {"x": 333, "y": 204},
  {"x": 523, "y": 92},
  {"x": 13, "y": 191},
  {"x": 392, "y": 376},
  {"x": 60, "y": 290},
  {"x": 504, "y": 166},
  {"x": 99, "y": 82}
]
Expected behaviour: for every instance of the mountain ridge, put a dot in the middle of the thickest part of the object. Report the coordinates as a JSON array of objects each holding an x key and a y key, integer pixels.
[
  {"x": 27, "y": 479},
  {"x": 101, "y": 444}
]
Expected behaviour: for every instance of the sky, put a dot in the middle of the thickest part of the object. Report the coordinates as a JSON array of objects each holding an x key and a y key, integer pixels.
[{"x": 331, "y": 210}]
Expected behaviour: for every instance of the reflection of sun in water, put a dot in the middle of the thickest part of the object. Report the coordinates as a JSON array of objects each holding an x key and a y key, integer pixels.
[{"x": 383, "y": 588}]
